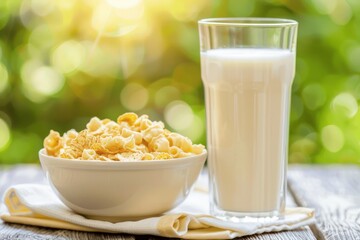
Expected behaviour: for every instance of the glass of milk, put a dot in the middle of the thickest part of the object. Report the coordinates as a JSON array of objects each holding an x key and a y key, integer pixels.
[{"x": 247, "y": 68}]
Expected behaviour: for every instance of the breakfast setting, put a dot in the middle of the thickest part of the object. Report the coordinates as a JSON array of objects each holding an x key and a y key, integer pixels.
[
  {"x": 129, "y": 176},
  {"x": 198, "y": 129}
]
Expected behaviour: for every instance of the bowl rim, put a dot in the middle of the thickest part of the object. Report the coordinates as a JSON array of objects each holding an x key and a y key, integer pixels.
[{"x": 96, "y": 164}]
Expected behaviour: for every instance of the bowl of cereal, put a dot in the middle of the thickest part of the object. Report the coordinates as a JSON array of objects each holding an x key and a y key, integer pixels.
[{"x": 129, "y": 169}]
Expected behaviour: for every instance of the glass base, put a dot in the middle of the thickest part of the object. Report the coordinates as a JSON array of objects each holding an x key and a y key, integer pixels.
[{"x": 246, "y": 216}]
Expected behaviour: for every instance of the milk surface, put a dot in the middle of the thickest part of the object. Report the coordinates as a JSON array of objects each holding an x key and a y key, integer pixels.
[{"x": 247, "y": 104}]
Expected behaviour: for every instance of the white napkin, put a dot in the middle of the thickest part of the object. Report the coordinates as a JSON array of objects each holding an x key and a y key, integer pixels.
[{"x": 35, "y": 204}]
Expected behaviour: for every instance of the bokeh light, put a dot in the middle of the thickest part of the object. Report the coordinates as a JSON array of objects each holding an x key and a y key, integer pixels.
[
  {"x": 181, "y": 118},
  {"x": 342, "y": 13},
  {"x": 134, "y": 96},
  {"x": 332, "y": 138},
  {"x": 179, "y": 115},
  {"x": 42, "y": 7},
  {"x": 117, "y": 18},
  {"x": 46, "y": 81},
  {"x": 196, "y": 130},
  {"x": 345, "y": 104},
  {"x": 42, "y": 37},
  {"x": 5, "y": 134},
  {"x": 40, "y": 81},
  {"x": 324, "y": 6},
  {"x": 64, "y": 61},
  {"x": 68, "y": 56},
  {"x": 338, "y": 10},
  {"x": 4, "y": 81}
]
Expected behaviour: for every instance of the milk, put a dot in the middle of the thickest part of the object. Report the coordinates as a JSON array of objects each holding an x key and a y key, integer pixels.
[{"x": 247, "y": 104}]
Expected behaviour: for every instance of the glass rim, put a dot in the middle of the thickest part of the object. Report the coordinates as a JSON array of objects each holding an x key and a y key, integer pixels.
[{"x": 248, "y": 22}]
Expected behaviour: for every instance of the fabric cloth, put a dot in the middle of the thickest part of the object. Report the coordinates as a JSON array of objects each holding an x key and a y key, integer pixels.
[{"x": 37, "y": 205}]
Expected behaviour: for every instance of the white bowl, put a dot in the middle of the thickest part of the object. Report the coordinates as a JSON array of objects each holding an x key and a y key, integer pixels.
[{"x": 121, "y": 190}]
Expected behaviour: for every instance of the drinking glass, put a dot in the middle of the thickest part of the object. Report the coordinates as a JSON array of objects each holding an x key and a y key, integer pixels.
[{"x": 247, "y": 68}]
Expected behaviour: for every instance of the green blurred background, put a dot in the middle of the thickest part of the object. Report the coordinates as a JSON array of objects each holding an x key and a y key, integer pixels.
[{"x": 64, "y": 61}]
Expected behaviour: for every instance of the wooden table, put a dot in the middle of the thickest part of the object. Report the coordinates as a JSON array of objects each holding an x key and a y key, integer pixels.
[{"x": 334, "y": 191}]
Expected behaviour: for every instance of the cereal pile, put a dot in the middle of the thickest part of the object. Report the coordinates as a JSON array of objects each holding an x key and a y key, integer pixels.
[{"x": 131, "y": 138}]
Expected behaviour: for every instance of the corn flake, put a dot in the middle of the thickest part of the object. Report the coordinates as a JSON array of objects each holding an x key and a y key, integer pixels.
[{"x": 131, "y": 138}]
